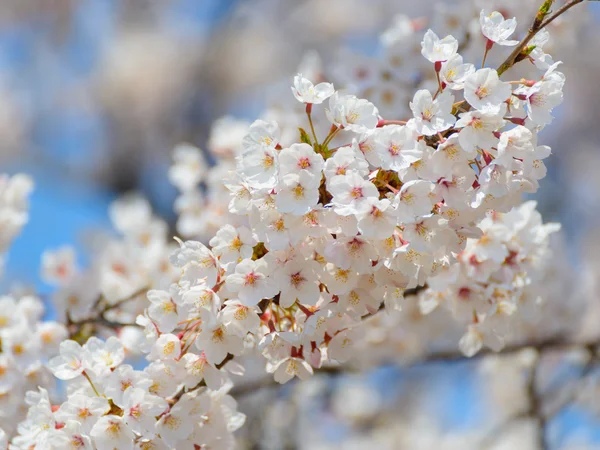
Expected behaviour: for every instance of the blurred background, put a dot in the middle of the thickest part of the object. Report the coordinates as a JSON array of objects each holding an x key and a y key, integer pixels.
[{"x": 95, "y": 94}]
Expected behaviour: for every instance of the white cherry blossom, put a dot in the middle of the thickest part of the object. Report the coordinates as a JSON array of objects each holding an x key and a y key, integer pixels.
[
  {"x": 454, "y": 72},
  {"x": 298, "y": 193},
  {"x": 252, "y": 282},
  {"x": 496, "y": 28},
  {"x": 352, "y": 113},
  {"x": 432, "y": 116},
  {"x": 351, "y": 193},
  {"x": 307, "y": 92},
  {"x": 438, "y": 50},
  {"x": 112, "y": 432},
  {"x": 485, "y": 91},
  {"x": 300, "y": 157}
]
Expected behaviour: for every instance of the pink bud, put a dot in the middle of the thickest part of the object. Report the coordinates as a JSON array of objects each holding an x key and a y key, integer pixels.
[{"x": 314, "y": 358}]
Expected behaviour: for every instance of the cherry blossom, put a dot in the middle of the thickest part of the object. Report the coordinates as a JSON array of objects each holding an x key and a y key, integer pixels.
[
  {"x": 291, "y": 244},
  {"x": 438, "y": 50},
  {"x": 306, "y": 92},
  {"x": 496, "y": 28}
]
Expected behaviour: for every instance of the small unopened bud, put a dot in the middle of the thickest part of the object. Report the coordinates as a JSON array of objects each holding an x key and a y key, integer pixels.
[
  {"x": 487, "y": 157},
  {"x": 527, "y": 83},
  {"x": 541, "y": 14},
  {"x": 314, "y": 358},
  {"x": 516, "y": 120}
]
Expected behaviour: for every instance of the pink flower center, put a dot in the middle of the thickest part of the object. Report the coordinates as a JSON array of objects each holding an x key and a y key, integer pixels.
[
  {"x": 356, "y": 193},
  {"x": 251, "y": 279},
  {"x": 304, "y": 163}
]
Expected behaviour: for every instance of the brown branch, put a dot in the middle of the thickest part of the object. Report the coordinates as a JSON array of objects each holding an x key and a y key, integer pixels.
[
  {"x": 552, "y": 344},
  {"x": 98, "y": 318},
  {"x": 227, "y": 358},
  {"x": 535, "y": 406},
  {"x": 202, "y": 383},
  {"x": 537, "y": 26},
  {"x": 130, "y": 297},
  {"x": 560, "y": 11},
  {"x": 497, "y": 431},
  {"x": 587, "y": 370},
  {"x": 535, "y": 409}
]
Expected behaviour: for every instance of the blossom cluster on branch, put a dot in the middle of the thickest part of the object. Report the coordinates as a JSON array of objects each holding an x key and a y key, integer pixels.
[{"x": 329, "y": 221}]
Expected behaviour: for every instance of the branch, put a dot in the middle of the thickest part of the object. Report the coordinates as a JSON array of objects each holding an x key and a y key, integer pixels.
[
  {"x": 587, "y": 370},
  {"x": 560, "y": 11},
  {"x": 535, "y": 409},
  {"x": 201, "y": 384},
  {"x": 98, "y": 318},
  {"x": 552, "y": 344},
  {"x": 555, "y": 343},
  {"x": 538, "y": 24},
  {"x": 130, "y": 297}
]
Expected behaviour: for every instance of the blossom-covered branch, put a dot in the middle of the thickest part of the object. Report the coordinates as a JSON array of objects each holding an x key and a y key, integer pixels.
[{"x": 327, "y": 235}]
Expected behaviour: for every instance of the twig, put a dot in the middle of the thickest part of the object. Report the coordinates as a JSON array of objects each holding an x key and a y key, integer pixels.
[
  {"x": 535, "y": 407},
  {"x": 202, "y": 383},
  {"x": 310, "y": 121},
  {"x": 535, "y": 28},
  {"x": 589, "y": 367},
  {"x": 99, "y": 318},
  {"x": 125, "y": 300},
  {"x": 552, "y": 344},
  {"x": 87, "y": 377},
  {"x": 560, "y": 11}
]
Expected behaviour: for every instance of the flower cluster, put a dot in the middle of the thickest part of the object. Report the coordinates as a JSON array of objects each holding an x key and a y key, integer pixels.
[
  {"x": 503, "y": 287},
  {"x": 102, "y": 300},
  {"x": 389, "y": 78},
  {"x": 490, "y": 282},
  {"x": 124, "y": 269},
  {"x": 112, "y": 405},
  {"x": 332, "y": 233},
  {"x": 27, "y": 343},
  {"x": 202, "y": 205},
  {"x": 318, "y": 235}
]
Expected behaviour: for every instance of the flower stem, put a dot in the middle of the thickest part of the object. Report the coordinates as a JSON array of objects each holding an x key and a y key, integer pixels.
[
  {"x": 488, "y": 46},
  {"x": 91, "y": 383},
  {"x": 330, "y": 136},
  {"x": 309, "y": 115},
  {"x": 440, "y": 88}
]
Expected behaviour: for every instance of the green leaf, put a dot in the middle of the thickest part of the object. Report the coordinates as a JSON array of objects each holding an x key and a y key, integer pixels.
[
  {"x": 542, "y": 13},
  {"x": 524, "y": 53},
  {"x": 304, "y": 137}
]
